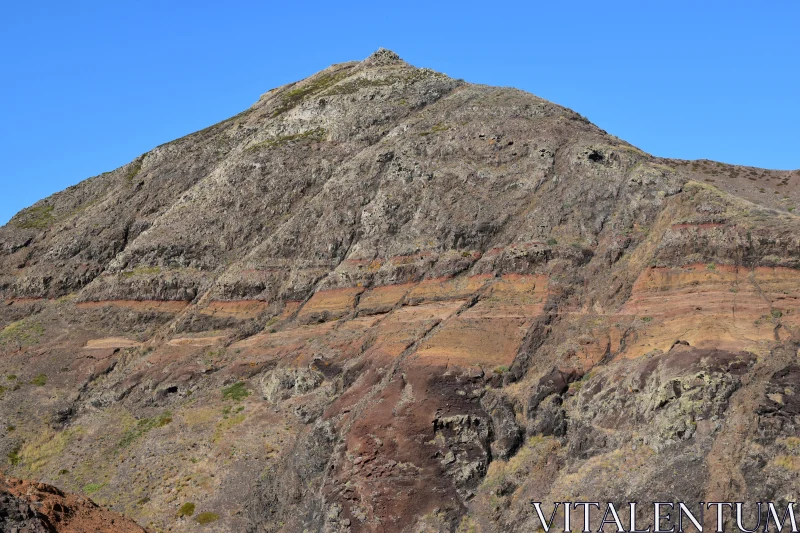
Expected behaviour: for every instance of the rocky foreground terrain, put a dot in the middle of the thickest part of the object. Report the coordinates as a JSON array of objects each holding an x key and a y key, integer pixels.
[
  {"x": 385, "y": 300},
  {"x": 27, "y": 507}
]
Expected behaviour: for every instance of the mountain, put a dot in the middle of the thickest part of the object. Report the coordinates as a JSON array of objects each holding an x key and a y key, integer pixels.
[{"x": 382, "y": 299}]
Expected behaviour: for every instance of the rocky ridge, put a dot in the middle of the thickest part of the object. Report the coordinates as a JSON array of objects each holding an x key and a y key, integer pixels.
[
  {"x": 27, "y": 507},
  {"x": 382, "y": 299}
]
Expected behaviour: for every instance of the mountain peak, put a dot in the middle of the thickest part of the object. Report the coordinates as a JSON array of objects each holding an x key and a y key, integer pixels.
[{"x": 382, "y": 56}]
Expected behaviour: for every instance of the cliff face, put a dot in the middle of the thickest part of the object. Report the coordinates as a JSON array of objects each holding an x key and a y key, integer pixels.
[{"x": 382, "y": 299}]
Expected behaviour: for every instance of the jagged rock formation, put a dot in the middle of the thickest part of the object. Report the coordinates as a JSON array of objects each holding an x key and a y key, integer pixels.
[
  {"x": 382, "y": 299},
  {"x": 27, "y": 507}
]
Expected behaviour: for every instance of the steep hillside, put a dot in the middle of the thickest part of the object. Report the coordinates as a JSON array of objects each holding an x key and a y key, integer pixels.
[{"x": 382, "y": 299}]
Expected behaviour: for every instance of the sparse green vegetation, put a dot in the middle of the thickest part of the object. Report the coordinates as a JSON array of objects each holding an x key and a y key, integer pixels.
[
  {"x": 291, "y": 98},
  {"x": 187, "y": 509},
  {"x": 467, "y": 525},
  {"x": 143, "y": 426},
  {"x": 208, "y": 357},
  {"x": 317, "y": 134},
  {"x": 711, "y": 266},
  {"x": 228, "y": 410},
  {"x": 46, "y": 445},
  {"x": 502, "y": 369},
  {"x": 792, "y": 444},
  {"x": 225, "y": 425},
  {"x": 437, "y": 128},
  {"x": 236, "y": 392},
  {"x": 40, "y": 380},
  {"x": 92, "y": 487},
  {"x": 357, "y": 84},
  {"x": 551, "y": 242},
  {"x": 576, "y": 386},
  {"x": 141, "y": 271},
  {"x": 774, "y": 314},
  {"x": 22, "y": 333},
  {"x": 14, "y": 457},
  {"x": 647, "y": 319},
  {"x": 206, "y": 518},
  {"x": 789, "y": 463},
  {"x": 36, "y": 217},
  {"x": 136, "y": 167}
]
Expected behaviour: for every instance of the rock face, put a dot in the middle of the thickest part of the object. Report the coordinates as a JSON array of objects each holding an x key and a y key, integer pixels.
[
  {"x": 27, "y": 507},
  {"x": 382, "y": 299}
]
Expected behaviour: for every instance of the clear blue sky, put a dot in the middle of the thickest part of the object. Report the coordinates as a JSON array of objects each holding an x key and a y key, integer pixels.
[{"x": 88, "y": 86}]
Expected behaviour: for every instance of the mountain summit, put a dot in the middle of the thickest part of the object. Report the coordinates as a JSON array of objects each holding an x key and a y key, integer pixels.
[
  {"x": 381, "y": 299},
  {"x": 382, "y": 56}
]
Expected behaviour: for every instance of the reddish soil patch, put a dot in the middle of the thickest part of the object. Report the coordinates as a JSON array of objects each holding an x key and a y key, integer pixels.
[
  {"x": 32, "y": 506},
  {"x": 164, "y": 306}
]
